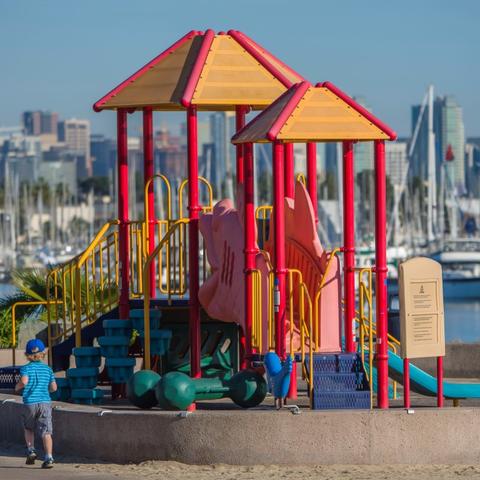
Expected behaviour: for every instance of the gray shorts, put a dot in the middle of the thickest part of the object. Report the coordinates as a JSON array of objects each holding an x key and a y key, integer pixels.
[{"x": 38, "y": 416}]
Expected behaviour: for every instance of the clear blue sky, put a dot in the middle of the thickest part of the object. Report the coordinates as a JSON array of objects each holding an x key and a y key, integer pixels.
[{"x": 63, "y": 55}]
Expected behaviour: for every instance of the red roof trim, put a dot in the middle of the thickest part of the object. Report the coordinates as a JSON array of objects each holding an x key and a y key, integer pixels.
[
  {"x": 284, "y": 65},
  {"x": 363, "y": 111},
  {"x": 244, "y": 43},
  {"x": 97, "y": 107},
  {"x": 197, "y": 68},
  {"x": 300, "y": 89}
]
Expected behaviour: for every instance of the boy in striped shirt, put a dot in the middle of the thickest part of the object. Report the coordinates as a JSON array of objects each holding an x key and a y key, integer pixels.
[{"x": 37, "y": 381}]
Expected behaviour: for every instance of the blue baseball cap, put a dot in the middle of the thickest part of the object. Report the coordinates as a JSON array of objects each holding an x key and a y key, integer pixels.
[{"x": 34, "y": 346}]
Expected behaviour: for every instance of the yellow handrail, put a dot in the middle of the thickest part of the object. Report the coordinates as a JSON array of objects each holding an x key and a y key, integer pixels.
[
  {"x": 263, "y": 213},
  {"x": 257, "y": 310},
  {"x": 146, "y": 282},
  {"x": 146, "y": 232},
  {"x": 14, "y": 323},
  {"x": 306, "y": 296},
  {"x": 292, "y": 272},
  {"x": 98, "y": 237},
  {"x": 14, "y": 326},
  {"x": 365, "y": 293},
  {"x": 205, "y": 208},
  {"x": 301, "y": 178},
  {"x": 271, "y": 310},
  {"x": 88, "y": 254},
  {"x": 366, "y": 325}
]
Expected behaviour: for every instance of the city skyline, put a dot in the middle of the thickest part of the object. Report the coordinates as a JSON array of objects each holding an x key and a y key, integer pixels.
[{"x": 392, "y": 75}]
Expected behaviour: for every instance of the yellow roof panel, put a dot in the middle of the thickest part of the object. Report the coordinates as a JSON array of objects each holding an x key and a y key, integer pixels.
[
  {"x": 322, "y": 115},
  {"x": 231, "y": 76},
  {"x": 292, "y": 76},
  {"x": 161, "y": 84},
  {"x": 314, "y": 114},
  {"x": 213, "y": 72}
]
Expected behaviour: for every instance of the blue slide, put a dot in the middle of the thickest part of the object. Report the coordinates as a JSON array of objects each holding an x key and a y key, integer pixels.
[{"x": 423, "y": 383}]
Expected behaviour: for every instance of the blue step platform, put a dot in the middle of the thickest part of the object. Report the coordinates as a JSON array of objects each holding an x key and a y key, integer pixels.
[{"x": 339, "y": 382}]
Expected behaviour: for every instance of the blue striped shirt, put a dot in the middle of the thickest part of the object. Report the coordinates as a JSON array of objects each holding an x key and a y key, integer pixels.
[{"x": 40, "y": 376}]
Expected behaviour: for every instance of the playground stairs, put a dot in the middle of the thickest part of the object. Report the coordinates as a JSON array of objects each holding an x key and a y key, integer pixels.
[
  {"x": 339, "y": 382},
  {"x": 116, "y": 340},
  {"x": 83, "y": 378}
]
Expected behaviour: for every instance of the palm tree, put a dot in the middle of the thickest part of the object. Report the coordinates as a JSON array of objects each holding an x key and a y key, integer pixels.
[{"x": 30, "y": 287}]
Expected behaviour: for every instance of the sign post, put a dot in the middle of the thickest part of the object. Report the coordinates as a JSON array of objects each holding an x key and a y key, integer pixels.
[{"x": 422, "y": 319}]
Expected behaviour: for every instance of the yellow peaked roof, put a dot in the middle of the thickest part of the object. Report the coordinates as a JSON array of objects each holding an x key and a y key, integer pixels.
[
  {"x": 305, "y": 113},
  {"x": 213, "y": 72}
]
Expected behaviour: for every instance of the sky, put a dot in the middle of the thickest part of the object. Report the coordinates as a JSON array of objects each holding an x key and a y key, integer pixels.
[{"x": 63, "y": 55}]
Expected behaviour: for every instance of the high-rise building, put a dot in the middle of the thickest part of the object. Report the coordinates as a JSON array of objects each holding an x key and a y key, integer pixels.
[
  {"x": 60, "y": 170},
  {"x": 450, "y": 139},
  {"x": 472, "y": 166},
  {"x": 76, "y": 136},
  {"x": 20, "y": 156},
  {"x": 40, "y": 122},
  {"x": 419, "y": 160},
  {"x": 32, "y": 122},
  {"x": 396, "y": 159},
  {"x": 103, "y": 153}
]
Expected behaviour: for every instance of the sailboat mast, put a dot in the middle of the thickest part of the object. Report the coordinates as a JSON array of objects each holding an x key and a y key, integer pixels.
[{"x": 432, "y": 181}]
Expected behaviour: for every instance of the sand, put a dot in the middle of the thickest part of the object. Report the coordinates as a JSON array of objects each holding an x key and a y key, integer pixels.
[
  {"x": 12, "y": 467},
  {"x": 177, "y": 471}
]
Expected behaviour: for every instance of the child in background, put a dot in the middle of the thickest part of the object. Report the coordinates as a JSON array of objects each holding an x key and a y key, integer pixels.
[{"x": 37, "y": 381}]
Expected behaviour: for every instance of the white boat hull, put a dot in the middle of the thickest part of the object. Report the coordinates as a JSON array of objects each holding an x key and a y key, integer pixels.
[{"x": 453, "y": 288}]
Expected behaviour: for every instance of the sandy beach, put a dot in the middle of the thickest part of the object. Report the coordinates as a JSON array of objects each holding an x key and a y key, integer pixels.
[
  {"x": 12, "y": 467},
  {"x": 174, "y": 471}
]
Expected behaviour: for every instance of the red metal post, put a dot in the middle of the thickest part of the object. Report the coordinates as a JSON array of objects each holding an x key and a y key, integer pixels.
[
  {"x": 406, "y": 383},
  {"x": 239, "y": 124},
  {"x": 289, "y": 171},
  {"x": 193, "y": 243},
  {"x": 123, "y": 240},
  {"x": 250, "y": 248},
  {"x": 381, "y": 272},
  {"x": 312, "y": 176},
  {"x": 147, "y": 175},
  {"x": 279, "y": 247},
  {"x": 349, "y": 244},
  {"x": 439, "y": 382},
  {"x": 290, "y": 193}
]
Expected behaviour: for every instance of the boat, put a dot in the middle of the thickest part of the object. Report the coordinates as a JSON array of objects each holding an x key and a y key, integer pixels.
[{"x": 460, "y": 260}]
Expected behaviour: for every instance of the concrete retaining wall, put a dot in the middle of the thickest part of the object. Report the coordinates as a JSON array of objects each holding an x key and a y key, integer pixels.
[{"x": 429, "y": 436}]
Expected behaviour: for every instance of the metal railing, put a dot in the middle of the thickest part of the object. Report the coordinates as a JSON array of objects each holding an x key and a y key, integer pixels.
[
  {"x": 85, "y": 287},
  {"x": 207, "y": 208},
  {"x": 366, "y": 327},
  {"x": 301, "y": 178},
  {"x": 32, "y": 303},
  {"x": 257, "y": 310},
  {"x": 263, "y": 213},
  {"x": 302, "y": 310}
]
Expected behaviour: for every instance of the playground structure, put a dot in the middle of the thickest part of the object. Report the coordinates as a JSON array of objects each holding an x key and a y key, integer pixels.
[{"x": 282, "y": 288}]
